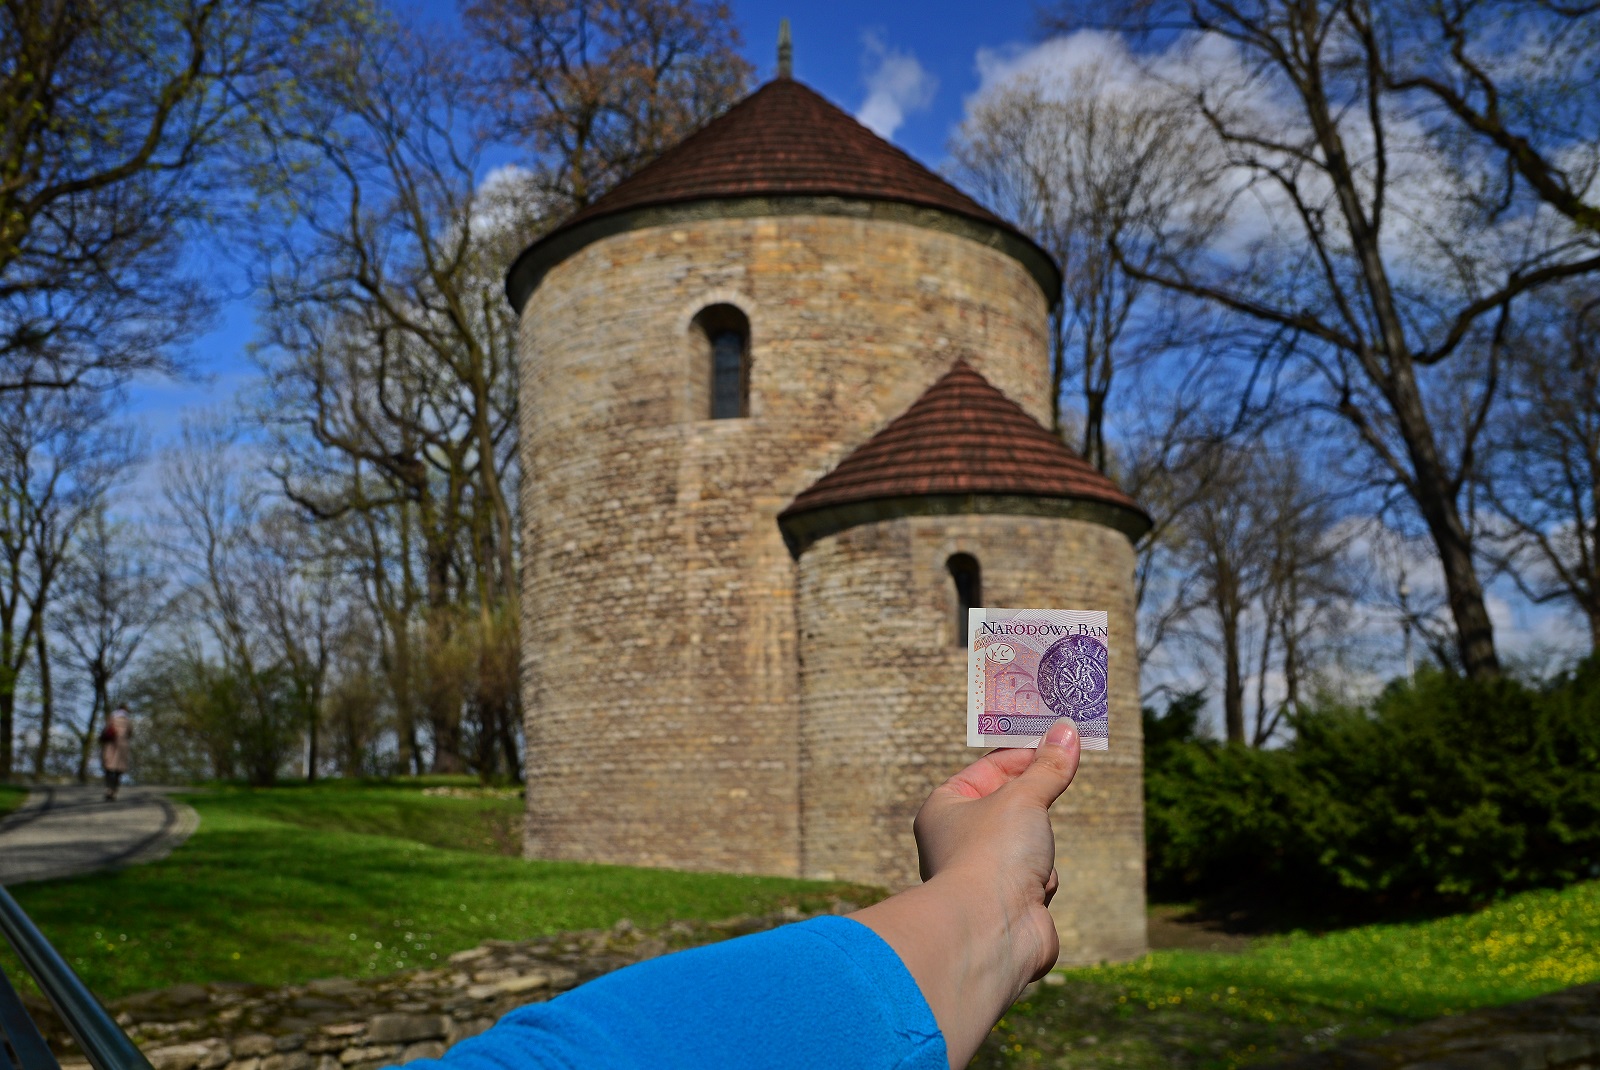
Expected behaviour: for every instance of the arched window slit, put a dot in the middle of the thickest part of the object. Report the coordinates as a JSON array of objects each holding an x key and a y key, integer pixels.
[
  {"x": 968, "y": 578},
  {"x": 723, "y": 336}
]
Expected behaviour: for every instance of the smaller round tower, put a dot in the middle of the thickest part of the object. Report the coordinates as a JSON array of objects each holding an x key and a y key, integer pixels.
[{"x": 964, "y": 500}]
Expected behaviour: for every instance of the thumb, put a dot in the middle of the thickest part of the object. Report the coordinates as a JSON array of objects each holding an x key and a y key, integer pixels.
[{"x": 1054, "y": 765}]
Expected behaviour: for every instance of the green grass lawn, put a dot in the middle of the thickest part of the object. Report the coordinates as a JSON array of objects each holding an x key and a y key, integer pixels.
[
  {"x": 289, "y": 884},
  {"x": 293, "y": 883},
  {"x": 11, "y": 796},
  {"x": 1292, "y": 993}
]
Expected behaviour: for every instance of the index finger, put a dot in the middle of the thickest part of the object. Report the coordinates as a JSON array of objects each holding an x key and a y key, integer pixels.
[{"x": 990, "y": 773}]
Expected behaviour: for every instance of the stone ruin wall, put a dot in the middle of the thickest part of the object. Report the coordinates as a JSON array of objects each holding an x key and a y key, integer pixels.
[
  {"x": 883, "y": 686},
  {"x": 660, "y": 658}
]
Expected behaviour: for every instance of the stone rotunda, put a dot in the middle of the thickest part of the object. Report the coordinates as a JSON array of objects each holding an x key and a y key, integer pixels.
[{"x": 782, "y": 402}]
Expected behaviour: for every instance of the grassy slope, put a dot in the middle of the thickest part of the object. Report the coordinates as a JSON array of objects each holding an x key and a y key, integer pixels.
[
  {"x": 11, "y": 796},
  {"x": 1188, "y": 1008},
  {"x": 254, "y": 897}
]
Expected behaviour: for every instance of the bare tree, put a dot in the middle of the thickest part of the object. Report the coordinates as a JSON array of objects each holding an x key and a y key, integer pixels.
[
  {"x": 303, "y": 601},
  {"x": 1542, "y": 471},
  {"x": 1090, "y": 171},
  {"x": 1223, "y": 540},
  {"x": 112, "y": 594},
  {"x": 1395, "y": 246},
  {"x": 1259, "y": 539},
  {"x": 1515, "y": 78},
  {"x": 216, "y": 507},
  {"x": 57, "y": 459},
  {"x": 595, "y": 89},
  {"x": 116, "y": 118},
  {"x": 390, "y": 364},
  {"x": 1307, "y": 587}
]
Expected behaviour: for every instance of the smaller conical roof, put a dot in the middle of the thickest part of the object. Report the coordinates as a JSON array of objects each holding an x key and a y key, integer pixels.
[{"x": 963, "y": 438}]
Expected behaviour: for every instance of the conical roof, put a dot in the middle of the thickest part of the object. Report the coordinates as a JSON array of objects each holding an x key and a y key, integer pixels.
[
  {"x": 963, "y": 438},
  {"x": 785, "y": 138},
  {"x": 784, "y": 141}
]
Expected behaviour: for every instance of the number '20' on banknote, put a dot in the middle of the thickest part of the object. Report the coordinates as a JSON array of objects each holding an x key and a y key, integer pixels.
[{"x": 1027, "y": 668}]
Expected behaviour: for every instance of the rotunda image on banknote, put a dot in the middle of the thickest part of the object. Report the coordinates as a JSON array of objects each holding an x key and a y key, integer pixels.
[{"x": 786, "y": 396}]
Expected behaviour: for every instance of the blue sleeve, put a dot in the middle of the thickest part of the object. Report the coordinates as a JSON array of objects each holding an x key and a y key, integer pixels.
[{"x": 822, "y": 993}]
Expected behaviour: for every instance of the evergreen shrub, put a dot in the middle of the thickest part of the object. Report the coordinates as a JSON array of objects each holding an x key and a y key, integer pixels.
[{"x": 1437, "y": 795}]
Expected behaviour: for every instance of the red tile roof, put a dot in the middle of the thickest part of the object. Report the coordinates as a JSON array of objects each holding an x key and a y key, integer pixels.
[
  {"x": 782, "y": 141},
  {"x": 785, "y": 139},
  {"x": 961, "y": 437}
]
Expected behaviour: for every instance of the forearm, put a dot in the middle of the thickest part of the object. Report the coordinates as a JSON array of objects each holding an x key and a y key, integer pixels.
[{"x": 970, "y": 955}]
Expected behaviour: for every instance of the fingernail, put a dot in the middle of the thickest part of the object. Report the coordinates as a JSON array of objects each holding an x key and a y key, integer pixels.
[{"x": 1060, "y": 732}]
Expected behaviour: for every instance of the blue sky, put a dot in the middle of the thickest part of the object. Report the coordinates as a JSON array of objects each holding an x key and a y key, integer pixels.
[
  {"x": 905, "y": 69},
  {"x": 910, "y": 66}
]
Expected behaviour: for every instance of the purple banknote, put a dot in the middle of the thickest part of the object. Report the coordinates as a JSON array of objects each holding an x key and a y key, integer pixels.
[{"x": 1028, "y": 667}]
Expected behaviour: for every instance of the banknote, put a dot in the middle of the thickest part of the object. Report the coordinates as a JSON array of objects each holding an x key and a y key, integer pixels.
[{"x": 1026, "y": 668}]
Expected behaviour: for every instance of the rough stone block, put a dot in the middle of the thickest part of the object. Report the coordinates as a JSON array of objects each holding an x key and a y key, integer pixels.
[
  {"x": 426, "y": 1049},
  {"x": 403, "y": 1028},
  {"x": 178, "y": 1056},
  {"x": 253, "y": 1044},
  {"x": 489, "y": 977},
  {"x": 335, "y": 986},
  {"x": 345, "y": 1029},
  {"x": 289, "y": 1060},
  {"x": 526, "y": 983}
]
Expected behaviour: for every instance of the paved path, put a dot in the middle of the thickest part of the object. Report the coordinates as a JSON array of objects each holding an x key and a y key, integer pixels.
[{"x": 71, "y": 830}]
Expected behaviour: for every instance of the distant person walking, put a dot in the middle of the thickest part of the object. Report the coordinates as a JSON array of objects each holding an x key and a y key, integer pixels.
[{"x": 114, "y": 748}]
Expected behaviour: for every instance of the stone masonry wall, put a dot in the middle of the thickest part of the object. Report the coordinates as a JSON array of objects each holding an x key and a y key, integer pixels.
[
  {"x": 368, "y": 1023},
  {"x": 883, "y": 687},
  {"x": 659, "y": 647}
]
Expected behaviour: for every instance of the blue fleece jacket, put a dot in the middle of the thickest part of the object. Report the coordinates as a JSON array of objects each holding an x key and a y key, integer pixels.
[{"x": 825, "y": 994}]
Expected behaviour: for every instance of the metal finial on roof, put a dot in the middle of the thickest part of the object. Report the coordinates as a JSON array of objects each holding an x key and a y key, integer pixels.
[{"x": 785, "y": 51}]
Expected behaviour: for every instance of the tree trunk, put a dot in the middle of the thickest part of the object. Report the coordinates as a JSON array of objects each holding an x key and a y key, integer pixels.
[
  {"x": 1474, "y": 630},
  {"x": 1058, "y": 363},
  {"x": 508, "y": 741},
  {"x": 7, "y": 706},
  {"x": 1262, "y": 729},
  {"x": 313, "y": 716},
  {"x": 47, "y": 703},
  {"x": 1233, "y": 681},
  {"x": 8, "y": 696},
  {"x": 86, "y": 744},
  {"x": 1434, "y": 492}
]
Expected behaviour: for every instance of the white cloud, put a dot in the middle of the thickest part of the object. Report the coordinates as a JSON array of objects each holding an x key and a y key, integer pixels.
[
  {"x": 1053, "y": 62},
  {"x": 1431, "y": 225},
  {"x": 897, "y": 84}
]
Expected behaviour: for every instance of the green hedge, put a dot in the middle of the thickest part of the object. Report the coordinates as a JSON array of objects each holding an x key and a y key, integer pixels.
[{"x": 1439, "y": 794}]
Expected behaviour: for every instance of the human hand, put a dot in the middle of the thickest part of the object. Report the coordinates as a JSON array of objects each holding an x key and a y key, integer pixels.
[
  {"x": 987, "y": 831},
  {"x": 977, "y": 931}
]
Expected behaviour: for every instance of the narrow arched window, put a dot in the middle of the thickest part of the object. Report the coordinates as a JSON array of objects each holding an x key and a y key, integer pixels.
[
  {"x": 968, "y": 579},
  {"x": 720, "y": 377}
]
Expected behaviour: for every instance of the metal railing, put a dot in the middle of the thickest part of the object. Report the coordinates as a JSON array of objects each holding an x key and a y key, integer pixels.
[{"x": 22, "y": 1046}]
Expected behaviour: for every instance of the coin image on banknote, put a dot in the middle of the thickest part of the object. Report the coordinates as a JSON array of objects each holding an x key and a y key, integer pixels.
[{"x": 1029, "y": 667}]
